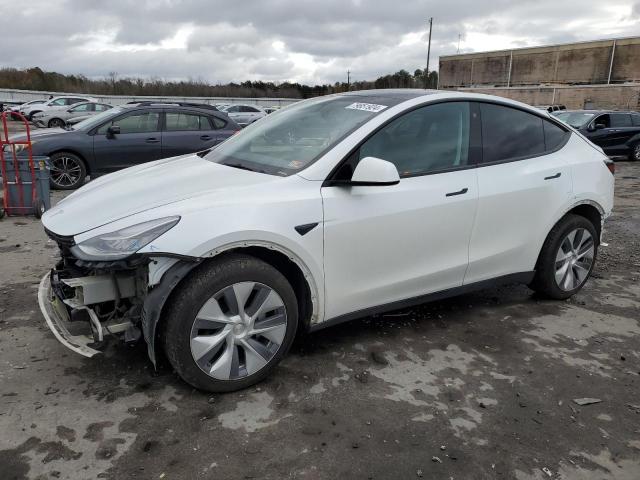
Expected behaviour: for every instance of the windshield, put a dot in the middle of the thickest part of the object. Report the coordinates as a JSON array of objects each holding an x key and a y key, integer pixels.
[
  {"x": 575, "y": 119},
  {"x": 289, "y": 140},
  {"x": 97, "y": 119}
]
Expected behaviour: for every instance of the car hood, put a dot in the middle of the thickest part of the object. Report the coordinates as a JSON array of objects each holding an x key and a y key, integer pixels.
[
  {"x": 143, "y": 187},
  {"x": 40, "y": 134}
]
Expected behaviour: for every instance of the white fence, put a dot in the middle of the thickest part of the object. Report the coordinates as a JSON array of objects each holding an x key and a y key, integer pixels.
[{"x": 20, "y": 96}]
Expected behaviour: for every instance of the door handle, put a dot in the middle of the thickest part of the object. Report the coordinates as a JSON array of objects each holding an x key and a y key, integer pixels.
[
  {"x": 205, "y": 137},
  {"x": 152, "y": 140},
  {"x": 557, "y": 175},
  {"x": 459, "y": 192}
]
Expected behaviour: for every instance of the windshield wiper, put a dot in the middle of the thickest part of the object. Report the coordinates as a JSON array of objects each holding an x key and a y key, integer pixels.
[{"x": 243, "y": 167}]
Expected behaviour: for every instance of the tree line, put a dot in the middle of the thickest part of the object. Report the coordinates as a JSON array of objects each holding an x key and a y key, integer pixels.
[{"x": 113, "y": 84}]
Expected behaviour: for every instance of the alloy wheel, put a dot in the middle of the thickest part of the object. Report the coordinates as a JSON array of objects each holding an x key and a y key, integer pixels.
[
  {"x": 65, "y": 171},
  {"x": 636, "y": 152},
  {"x": 574, "y": 259},
  {"x": 56, "y": 123},
  {"x": 238, "y": 330}
]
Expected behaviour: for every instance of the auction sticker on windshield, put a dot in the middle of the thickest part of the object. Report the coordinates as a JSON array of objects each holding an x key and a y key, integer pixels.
[{"x": 367, "y": 107}]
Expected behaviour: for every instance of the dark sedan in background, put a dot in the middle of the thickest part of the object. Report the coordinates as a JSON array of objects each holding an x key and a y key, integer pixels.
[
  {"x": 129, "y": 135},
  {"x": 617, "y": 133}
]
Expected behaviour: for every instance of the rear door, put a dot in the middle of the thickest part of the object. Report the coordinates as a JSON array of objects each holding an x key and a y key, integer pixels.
[
  {"x": 139, "y": 141},
  {"x": 186, "y": 132},
  {"x": 524, "y": 182},
  {"x": 622, "y": 130}
]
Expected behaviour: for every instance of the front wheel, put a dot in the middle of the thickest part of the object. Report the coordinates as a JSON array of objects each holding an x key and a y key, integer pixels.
[
  {"x": 635, "y": 152},
  {"x": 230, "y": 323},
  {"x": 567, "y": 258},
  {"x": 68, "y": 171}
]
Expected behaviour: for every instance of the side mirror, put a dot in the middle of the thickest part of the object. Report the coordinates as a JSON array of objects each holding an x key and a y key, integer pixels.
[
  {"x": 600, "y": 126},
  {"x": 113, "y": 130},
  {"x": 372, "y": 171}
]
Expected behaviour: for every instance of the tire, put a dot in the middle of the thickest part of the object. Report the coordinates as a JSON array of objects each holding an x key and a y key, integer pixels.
[
  {"x": 56, "y": 123},
  {"x": 561, "y": 274},
  {"x": 39, "y": 208},
  {"x": 241, "y": 359},
  {"x": 68, "y": 171},
  {"x": 634, "y": 155}
]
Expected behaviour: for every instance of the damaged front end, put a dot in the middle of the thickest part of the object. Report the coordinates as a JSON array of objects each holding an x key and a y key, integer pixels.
[{"x": 87, "y": 302}]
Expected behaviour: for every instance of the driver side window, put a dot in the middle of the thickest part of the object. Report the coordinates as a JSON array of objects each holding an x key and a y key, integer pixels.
[
  {"x": 134, "y": 123},
  {"x": 604, "y": 120},
  {"x": 426, "y": 140}
]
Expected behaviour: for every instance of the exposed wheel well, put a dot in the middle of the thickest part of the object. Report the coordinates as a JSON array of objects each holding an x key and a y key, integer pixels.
[
  {"x": 73, "y": 152},
  {"x": 292, "y": 273},
  {"x": 592, "y": 214},
  {"x": 585, "y": 210}
]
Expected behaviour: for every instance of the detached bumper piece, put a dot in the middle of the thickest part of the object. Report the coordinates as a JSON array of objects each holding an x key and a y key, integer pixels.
[{"x": 58, "y": 320}]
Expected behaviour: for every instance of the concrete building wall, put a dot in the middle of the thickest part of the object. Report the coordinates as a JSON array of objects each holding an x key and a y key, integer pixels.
[
  {"x": 576, "y": 63},
  {"x": 615, "y": 97}
]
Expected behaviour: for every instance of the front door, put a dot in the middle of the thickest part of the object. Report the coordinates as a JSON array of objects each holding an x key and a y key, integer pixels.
[
  {"x": 385, "y": 244},
  {"x": 139, "y": 141}
]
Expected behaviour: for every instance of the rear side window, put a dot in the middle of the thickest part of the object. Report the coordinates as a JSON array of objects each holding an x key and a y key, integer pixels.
[
  {"x": 510, "y": 134},
  {"x": 620, "y": 120},
  {"x": 635, "y": 119},
  {"x": 186, "y": 122},
  {"x": 554, "y": 136}
]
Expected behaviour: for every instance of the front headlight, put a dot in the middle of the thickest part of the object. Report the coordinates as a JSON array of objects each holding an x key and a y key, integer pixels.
[
  {"x": 122, "y": 243},
  {"x": 19, "y": 147}
]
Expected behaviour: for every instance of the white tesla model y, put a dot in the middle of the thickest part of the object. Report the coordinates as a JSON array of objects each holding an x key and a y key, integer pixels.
[{"x": 330, "y": 209}]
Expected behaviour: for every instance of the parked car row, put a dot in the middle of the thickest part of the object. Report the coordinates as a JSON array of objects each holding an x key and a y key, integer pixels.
[{"x": 128, "y": 135}]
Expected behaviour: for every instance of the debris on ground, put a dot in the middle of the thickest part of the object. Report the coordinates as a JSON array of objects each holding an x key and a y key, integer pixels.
[{"x": 586, "y": 401}]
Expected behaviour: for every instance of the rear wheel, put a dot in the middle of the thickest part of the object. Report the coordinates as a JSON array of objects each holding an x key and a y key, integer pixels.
[
  {"x": 567, "y": 258},
  {"x": 68, "y": 171},
  {"x": 230, "y": 324},
  {"x": 56, "y": 123}
]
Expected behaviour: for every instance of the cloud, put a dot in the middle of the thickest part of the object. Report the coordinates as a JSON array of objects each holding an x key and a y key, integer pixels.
[{"x": 278, "y": 40}]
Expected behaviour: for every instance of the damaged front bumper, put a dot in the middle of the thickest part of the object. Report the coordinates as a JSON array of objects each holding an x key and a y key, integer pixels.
[
  {"x": 57, "y": 317},
  {"x": 87, "y": 303}
]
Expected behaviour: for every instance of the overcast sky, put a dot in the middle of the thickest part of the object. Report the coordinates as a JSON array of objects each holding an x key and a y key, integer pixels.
[{"x": 277, "y": 40}]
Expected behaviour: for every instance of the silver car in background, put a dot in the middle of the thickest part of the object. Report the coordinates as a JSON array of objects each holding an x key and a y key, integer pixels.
[
  {"x": 56, "y": 102},
  {"x": 58, "y": 117},
  {"x": 243, "y": 115}
]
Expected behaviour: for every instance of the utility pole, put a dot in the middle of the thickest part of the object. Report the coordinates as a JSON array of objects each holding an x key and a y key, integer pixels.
[
  {"x": 348, "y": 80},
  {"x": 426, "y": 74},
  {"x": 459, "y": 35}
]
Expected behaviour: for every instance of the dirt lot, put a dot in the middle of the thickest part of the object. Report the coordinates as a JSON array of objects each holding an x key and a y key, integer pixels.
[{"x": 480, "y": 386}]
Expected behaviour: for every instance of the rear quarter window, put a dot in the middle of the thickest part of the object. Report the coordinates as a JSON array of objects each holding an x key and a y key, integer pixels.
[{"x": 554, "y": 136}]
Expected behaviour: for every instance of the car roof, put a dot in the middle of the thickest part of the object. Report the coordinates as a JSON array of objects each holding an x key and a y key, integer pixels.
[{"x": 595, "y": 112}]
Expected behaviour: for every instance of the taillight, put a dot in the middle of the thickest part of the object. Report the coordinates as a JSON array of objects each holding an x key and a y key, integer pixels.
[{"x": 611, "y": 165}]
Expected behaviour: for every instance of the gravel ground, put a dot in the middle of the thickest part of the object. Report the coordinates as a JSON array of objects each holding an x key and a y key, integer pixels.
[{"x": 479, "y": 386}]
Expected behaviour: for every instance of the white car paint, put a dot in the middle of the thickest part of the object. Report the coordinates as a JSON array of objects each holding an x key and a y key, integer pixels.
[
  {"x": 374, "y": 245},
  {"x": 243, "y": 114},
  {"x": 55, "y": 102}
]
